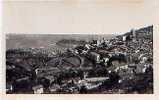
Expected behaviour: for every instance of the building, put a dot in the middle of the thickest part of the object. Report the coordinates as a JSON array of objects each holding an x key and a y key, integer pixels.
[
  {"x": 133, "y": 34},
  {"x": 38, "y": 89},
  {"x": 124, "y": 38}
]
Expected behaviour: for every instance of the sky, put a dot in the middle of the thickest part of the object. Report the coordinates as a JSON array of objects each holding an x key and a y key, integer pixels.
[{"x": 78, "y": 16}]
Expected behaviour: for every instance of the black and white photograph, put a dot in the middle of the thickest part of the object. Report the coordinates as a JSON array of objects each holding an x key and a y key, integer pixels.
[
  {"x": 79, "y": 49},
  {"x": 80, "y": 63}
]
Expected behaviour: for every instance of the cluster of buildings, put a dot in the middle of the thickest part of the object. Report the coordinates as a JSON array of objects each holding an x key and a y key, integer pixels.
[{"x": 123, "y": 64}]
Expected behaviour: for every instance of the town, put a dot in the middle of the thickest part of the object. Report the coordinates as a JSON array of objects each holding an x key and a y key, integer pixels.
[{"x": 120, "y": 65}]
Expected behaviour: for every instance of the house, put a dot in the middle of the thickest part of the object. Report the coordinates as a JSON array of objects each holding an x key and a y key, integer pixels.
[{"x": 38, "y": 89}]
